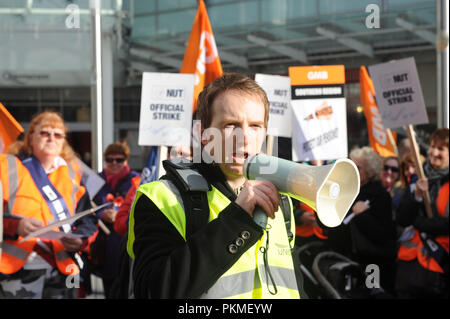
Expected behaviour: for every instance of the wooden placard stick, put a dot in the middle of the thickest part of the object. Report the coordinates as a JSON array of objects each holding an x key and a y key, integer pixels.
[{"x": 416, "y": 156}]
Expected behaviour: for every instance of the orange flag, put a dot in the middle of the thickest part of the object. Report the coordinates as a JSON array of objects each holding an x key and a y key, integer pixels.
[
  {"x": 201, "y": 56},
  {"x": 378, "y": 136},
  {"x": 10, "y": 129}
]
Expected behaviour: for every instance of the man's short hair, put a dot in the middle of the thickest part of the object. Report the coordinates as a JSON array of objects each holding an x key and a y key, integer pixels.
[
  {"x": 440, "y": 136},
  {"x": 228, "y": 82}
]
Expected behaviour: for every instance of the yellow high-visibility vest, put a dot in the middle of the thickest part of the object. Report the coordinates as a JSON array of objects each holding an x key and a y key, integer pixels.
[{"x": 249, "y": 276}]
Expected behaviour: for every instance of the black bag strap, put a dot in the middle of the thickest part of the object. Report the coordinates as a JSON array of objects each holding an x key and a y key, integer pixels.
[
  {"x": 285, "y": 206},
  {"x": 193, "y": 188}
]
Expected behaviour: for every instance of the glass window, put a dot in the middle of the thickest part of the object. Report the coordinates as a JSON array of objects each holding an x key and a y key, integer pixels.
[
  {"x": 144, "y": 26},
  {"x": 327, "y": 7},
  {"x": 234, "y": 15},
  {"x": 142, "y": 7},
  {"x": 279, "y": 11},
  {"x": 176, "y": 4},
  {"x": 175, "y": 22}
]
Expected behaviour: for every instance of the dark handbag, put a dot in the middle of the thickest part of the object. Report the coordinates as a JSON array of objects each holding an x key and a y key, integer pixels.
[{"x": 363, "y": 247}]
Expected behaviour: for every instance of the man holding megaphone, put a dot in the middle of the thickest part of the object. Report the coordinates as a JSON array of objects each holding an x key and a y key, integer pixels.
[{"x": 204, "y": 230}]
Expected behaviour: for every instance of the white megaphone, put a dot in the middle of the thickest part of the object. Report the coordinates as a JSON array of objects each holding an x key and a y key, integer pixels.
[{"x": 329, "y": 189}]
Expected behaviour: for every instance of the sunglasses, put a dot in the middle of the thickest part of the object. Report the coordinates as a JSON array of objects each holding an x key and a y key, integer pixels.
[
  {"x": 392, "y": 168},
  {"x": 46, "y": 134},
  {"x": 115, "y": 159}
]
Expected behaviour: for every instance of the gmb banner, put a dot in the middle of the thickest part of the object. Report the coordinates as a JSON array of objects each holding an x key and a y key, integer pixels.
[{"x": 319, "y": 127}]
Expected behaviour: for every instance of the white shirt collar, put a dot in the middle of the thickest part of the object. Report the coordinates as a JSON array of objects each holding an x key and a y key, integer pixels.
[{"x": 57, "y": 162}]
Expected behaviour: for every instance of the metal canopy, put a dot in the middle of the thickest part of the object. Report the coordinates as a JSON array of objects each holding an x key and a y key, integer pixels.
[
  {"x": 259, "y": 36},
  {"x": 251, "y": 35}
]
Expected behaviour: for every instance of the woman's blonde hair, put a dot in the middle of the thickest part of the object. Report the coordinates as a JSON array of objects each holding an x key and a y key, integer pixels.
[
  {"x": 373, "y": 162},
  {"x": 46, "y": 118}
]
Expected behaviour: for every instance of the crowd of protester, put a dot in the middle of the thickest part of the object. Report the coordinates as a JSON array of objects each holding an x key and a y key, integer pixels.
[{"x": 387, "y": 225}]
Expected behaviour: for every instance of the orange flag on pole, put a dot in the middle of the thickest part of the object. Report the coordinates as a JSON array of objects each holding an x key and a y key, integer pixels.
[
  {"x": 378, "y": 135},
  {"x": 10, "y": 129},
  {"x": 201, "y": 56}
]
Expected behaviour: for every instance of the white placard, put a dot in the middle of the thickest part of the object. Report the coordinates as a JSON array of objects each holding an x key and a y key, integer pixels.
[
  {"x": 166, "y": 109},
  {"x": 398, "y": 93},
  {"x": 321, "y": 129},
  {"x": 278, "y": 90},
  {"x": 60, "y": 223}
]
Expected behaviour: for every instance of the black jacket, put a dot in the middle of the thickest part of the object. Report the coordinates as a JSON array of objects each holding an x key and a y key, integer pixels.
[
  {"x": 167, "y": 266},
  {"x": 375, "y": 224},
  {"x": 412, "y": 212}
]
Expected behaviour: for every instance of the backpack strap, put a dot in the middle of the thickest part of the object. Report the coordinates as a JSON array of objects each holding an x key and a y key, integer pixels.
[
  {"x": 193, "y": 188},
  {"x": 285, "y": 205}
]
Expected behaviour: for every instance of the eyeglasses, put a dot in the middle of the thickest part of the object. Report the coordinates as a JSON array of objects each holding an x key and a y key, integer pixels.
[
  {"x": 46, "y": 134},
  {"x": 115, "y": 159},
  {"x": 392, "y": 168}
]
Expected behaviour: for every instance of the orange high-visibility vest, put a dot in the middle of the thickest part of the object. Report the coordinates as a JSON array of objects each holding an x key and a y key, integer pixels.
[
  {"x": 309, "y": 230},
  {"x": 414, "y": 248},
  {"x": 24, "y": 199}
]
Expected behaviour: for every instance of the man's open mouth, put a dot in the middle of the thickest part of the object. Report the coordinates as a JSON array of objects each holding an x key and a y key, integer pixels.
[{"x": 240, "y": 157}]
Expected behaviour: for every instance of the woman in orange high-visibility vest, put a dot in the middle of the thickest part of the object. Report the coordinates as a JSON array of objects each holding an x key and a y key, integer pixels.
[
  {"x": 423, "y": 255},
  {"x": 43, "y": 186}
]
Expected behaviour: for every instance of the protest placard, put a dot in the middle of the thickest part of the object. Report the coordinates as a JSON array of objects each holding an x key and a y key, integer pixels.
[
  {"x": 398, "y": 93},
  {"x": 166, "y": 109},
  {"x": 278, "y": 90},
  {"x": 318, "y": 103},
  {"x": 400, "y": 100}
]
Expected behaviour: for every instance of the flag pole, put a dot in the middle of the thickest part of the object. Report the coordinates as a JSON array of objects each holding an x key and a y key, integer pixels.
[{"x": 392, "y": 141}]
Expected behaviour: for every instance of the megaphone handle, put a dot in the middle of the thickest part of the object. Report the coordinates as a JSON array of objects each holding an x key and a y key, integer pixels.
[{"x": 260, "y": 217}]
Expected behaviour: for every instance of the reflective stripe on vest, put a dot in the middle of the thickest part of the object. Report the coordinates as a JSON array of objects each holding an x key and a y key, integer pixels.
[
  {"x": 75, "y": 188},
  {"x": 14, "y": 251},
  {"x": 247, "y": 278},
  {"x": 409, "y": 244},
  {"x": 12, "y": 181},
  {"x": 62, "y": 255},
  {"x": 240, "y": 282},
  {"x": 408, "y": 248}
]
